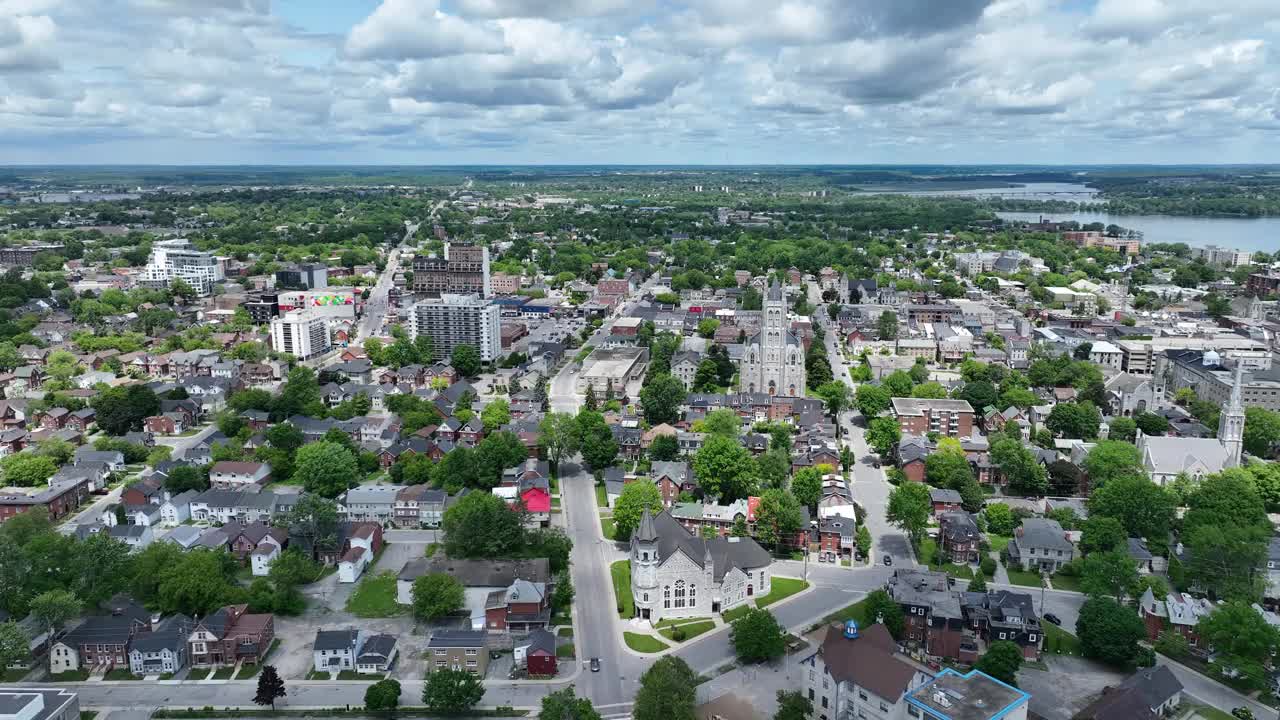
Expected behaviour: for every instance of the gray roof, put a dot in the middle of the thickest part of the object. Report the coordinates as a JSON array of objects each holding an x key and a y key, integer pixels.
[
  {"x": 725, "y": 553},
  {"x": 479, "y": 573},
  {"x": 1042, "y": 533},
  {"x": 377, "y": 649},
  {"x": 1155, "y": 684},
  {"x": 458, "y": 639},
  {"x": 344, "y": 639},
  {"x": 170, "y": 634}
]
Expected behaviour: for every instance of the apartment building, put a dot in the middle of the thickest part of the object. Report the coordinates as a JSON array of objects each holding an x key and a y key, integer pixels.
[
  {"x": 301, "y": 333},
  {"x": 920, "y": 416},
  {"x": 464, "y": 269},
  {"x": 178, "y": 259},
  {"x": 1224, "y": 257},
  {"x": 455, "y": 320},
  {"x": 305, "y": 276}
]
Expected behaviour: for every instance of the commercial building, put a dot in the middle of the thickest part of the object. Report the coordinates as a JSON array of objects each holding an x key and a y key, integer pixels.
[
  {"x": 306, "y": 276},
  {"x": 1141, "y": 357},
  {"x": 612, "y": 367},
  {"x": 857, "y": 673},
  {"x": 920, "y": 416},
  {"x": 25, "y": 256},
  {"x": 1207, "y": 375},
  {"x": 178, "y": 260},
  {"x": 301, "y": 333},
  {"x": 335, "y": 303},
  {"x": 464, "y": 269},
  {"x": 262, "y": 307},
  {"x": 974, "y": 695},
  {"x": 455, "y": 320},
  {"x": 1094, "y": 238},
  {"x": 25, "y": 703}
]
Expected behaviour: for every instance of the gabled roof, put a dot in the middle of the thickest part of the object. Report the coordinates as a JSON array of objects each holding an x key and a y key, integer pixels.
[
  {"x": 867, "y": 661},
  {"x": 344, "y": 639},
  {"x": 725, "y": 553}
]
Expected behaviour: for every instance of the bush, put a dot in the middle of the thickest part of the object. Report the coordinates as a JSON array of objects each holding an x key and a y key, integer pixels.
[
  {"x": 677, "y": 634},
  {"x": 895, "y": 476},
  {"x": 988, "y": 565}
]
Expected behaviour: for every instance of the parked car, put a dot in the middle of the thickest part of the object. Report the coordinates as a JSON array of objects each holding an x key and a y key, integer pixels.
[
  {"x": 888, "y": 559},
  {"x": 1053, "y": 618},
  {"x": 595, "y": 664}
]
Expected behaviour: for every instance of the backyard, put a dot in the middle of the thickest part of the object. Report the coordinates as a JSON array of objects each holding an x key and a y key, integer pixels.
[{"x": 375, "y": 597}]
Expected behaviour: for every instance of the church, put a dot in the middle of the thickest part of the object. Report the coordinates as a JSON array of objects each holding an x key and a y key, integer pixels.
[
  {"x": 773, "y": 362},
  {"x": 675, "y": 573},
  {"x": 1165, "y": 458}
]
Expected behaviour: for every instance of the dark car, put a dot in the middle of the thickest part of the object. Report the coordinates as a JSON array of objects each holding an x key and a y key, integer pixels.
[
  {"x": 888, "y": 559},
  {"x": 1053, "y": 618},
  {"x": 595, "y": 664}
]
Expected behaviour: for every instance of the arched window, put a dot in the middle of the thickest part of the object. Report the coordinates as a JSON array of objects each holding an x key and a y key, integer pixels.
[
  {"x": 666, "y": 597},
  {"x": 679, "y": 593},
  {"x": 693, "y": 595}
]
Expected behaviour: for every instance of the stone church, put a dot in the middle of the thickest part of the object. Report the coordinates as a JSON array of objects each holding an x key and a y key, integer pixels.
[
  {"x": 675, "y": 573},
  {"x": 773, "y": 362}
]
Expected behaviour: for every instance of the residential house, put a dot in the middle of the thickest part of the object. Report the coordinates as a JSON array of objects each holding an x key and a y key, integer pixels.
[
  {"x": 1005, "y": 615},
  {"x": 163, "y": 650},
  {"x": 459, "y": 650},
  {"x": 856, "y": 673},
  {"x": 944, "y": 500},
  {"x": 479, "y": 578},
  {"x": 838, "y": 536},
  {"x": 362, "y": 545},
  {"x": 101, "y": 641},
  {"x": 1149, "y": 694},
  {"x": 958, "y": 537},
  {"x": 539, "y": 652},
  {"x": 1178, "y": 612},
  {"x": 419, "y": 506},
  {"x": 1041, "y": 545},
  {"x": 335, "y": 650},
  {"x": 229, "y": 635},
  {"x": 243, "y": 540},
  {"x": 672, "y": 478},
  {"x": 235, "y": 475},
  {"x": 261, "y": 558},
  {"x": 377, "y": 654},
  {"x": 369, "y": 503},
  {"x": 935, "y": 624}
]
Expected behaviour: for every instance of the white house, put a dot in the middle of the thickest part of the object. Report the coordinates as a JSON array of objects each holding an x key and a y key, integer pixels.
[
  {"x": 377, "y": 654},
  {"x": 163, "y": 650},
  {"x": 231, "y": 475},
  {"x": 177, "y": 509},
  {"x": 261, "y": 558},
  {"x": 353, "y": 562},
  {"x": 335, "y": 650},
  {"x": 855, "y": 674}
]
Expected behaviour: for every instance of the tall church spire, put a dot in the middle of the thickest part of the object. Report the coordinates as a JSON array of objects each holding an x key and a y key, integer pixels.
[{"x": 1231, "y": 422}]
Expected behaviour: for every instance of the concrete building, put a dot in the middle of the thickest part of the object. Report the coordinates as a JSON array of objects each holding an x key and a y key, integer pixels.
[
  {"x": 1105, "y": 354},
  {"x": 458, "y": 650},
  {"x": 464, "y": 269},
  {"x": 616, "y": 366},
  {"x": 920, "y": 416},
  {"x": 28, "y": 703},
  {"x": 305, "y": 276},
  {"x": 974, "y": 695},
  {"x": 455, "y": 320},
  {"x": 25, "y": 255},
  {"x": 1225, "y": 257},
  {"x": 1142, "y": 357},
  {"x": 1212, "y": 381},
  {"x": 301, "y": 333},
  {"x": 335, "y": 303},
  {"x": 178, "y": 260}
]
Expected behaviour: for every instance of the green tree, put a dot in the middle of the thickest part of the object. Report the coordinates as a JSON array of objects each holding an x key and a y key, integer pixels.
[
  {"x": 636, "y": 497},
  {"x": 1123, "y": 429},
  {"x": 909, "y": 509},
  {"x": 948, "y": 467},
  {"x": 872, "y": 399},
  {"x": 197, "y": 584},
  {"x": 1151, "y": 423},
  {"x": 599, "y": 448},
  {"x": 480, "y": 525},
  {"x": 1172, "y": 643},
  {"x": 1241, "y": 640},
  {"x": 667, "y": 691},
  {"x": 558, "y": 435},
  {"x": 1108, "y": 574},
  {"x": 899, "y": 383},
  {"x": 864, "y": 541},
  {"x": 884, "y": 434},
  {"x": 725, "y": 468},
  {"x": 496, "y": 414},
  {"x": 382, "y": 695},
  {"x": 835, "y": 397},
  {"x": 1225, "y": 558},
  {"x": 1142, "y": 507},
  {"x": 707, "y": 376},
  {"x": 979, "y": 394},
  {"x": 326, "y": 468},
  {"x": 978, "y": 583},
  {"x": 186, "y": 477},
  {"x": 1261, "y": 431},
  {"x": 664, "y": 448},
  {"x": 878, "y": 607},
  {"x": 564, "y": 705},
  {"x": 436, "y": 595},
  {"x": 757, "y": 636},
  {"x": 466, "y": 360},
  {"x": 806, "y": 486},
  {"x": 1111, "y": 459},
  {"x": 313, "y": 524},
  {"x": 53, "y": 608},
  {"x": 495, "y": 453},
  {"x": 27, "y": 469},
  {"x": 778, "y": 517},
  {"x": 1109, "y": 632},
  {"x": 1000, "y": 519},
  {"x": 1074, "y": 420},
  {"x": 270, "y": 687},
  {"x": 1001, "y": 661},
  {"x": 1102, "y": 534},
  {"x": 451, "y": 692},
  {"x": 929, "y": 390},
  {"x": 887, "y": 325},
  {"x": 14, "y": 644},
  {"x": 792, "y": 704},
  {"x": 661, "y": 398},
  {"x": 1022, "y": 471},
  {"x": 722, "y": 422}
]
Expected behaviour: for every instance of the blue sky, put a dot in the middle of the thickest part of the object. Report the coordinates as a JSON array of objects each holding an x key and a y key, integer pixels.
[{"x": 638, "y": 81}]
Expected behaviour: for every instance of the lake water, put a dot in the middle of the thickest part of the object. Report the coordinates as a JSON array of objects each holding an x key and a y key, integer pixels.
[
  {"x": 1237, "y": 233},
  {"x": 1022, "y": 191}
]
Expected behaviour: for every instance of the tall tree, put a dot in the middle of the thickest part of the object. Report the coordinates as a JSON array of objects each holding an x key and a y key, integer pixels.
[
  {"x": 793, "y": 705},
  {"x": 326, "y": 468},
  {"x": 806, "y": 486},
  {"x": 564, "y": 705},
  {"x": 558, "y": 435},
  {"x": 480, "y": 525},
  {"x": 1109, "y": 632},
  {"x": 270, "y": 687},
  {"x": 451, "y": 692},
  {"x": 725, "y": 468},
  {"x": 1001, "y": 661},
  {"x": 436, "y": 595},
  {"x": 947, "y": 466},
  {"x": 14, "y": 644},
  {"x": 661, "y": 398},
  {"x": 1109, "y": 574},
  {"x": 1022, "y": 471},
  {"x": 636, "y": 497},
  {"x": 466, "y": 360},
  {"x": 54, "y": 608},
  {"x": 909, "y": 509},
  {"x": 1142, "y": 507},
  {"x": 1111, "y": 459},
  {"x": 313, "y": 524},
  {"x": 757, "y": 636},
  {"x": 872, "y": 400},
  {"x": 778, "y": 517},
  {"x": 667, "y": 691},
  {"x": 599, "y": 448}
]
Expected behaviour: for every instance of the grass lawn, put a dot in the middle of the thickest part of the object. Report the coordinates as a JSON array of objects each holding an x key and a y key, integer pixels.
[
  {"x": 1066, "y": 582},
  {"x": 375, "y": 596},
  {"x": 602, "y": 496},
  {"x": 691, "y": 630},
  {"x": 555, "y": 503},
  {"x": 856, "y": 611},
  {"x": 199, "y": 673},
  {"x": 928, "y": 548},
  {"x": 1059, "y": 641},
  {"x": 313, "y": 675},
  {"x": 431, "y": 549},
  {"x": 565, "y": 651},
  {"x": 249, "y": 671},
  {"x": 780, "y": 589},
  {"x": 1020, "y": 577},
  {"x": 672, "y": 622},
  {"x": 959, "y": 571},
  {"x": 621, "y": 572},
  {"x": 998, "y": 542},
  {"x": 13, "y": 676},
  {"x": 643, "y": 643},
  {"x": 734, "y": 613},
  {"x": 224, "y": 673},
  {"x": 1211, "y": 713},
  {"x": 71, "y": 676},
  {"x": 120, "y": 674},
  {"x": 606, "y": 527},
  {"x": 350, "y": 675},
  {"x": 565, "y": 632},
  {"x": 88, "y": 714}
]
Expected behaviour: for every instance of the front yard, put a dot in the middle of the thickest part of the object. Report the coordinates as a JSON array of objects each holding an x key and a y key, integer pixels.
[
  {"x": 606, "y": 528},
  {"x": 375, "y": 597},
  {"x": 998, "y": 542},
  {"x": 621, "y": 574},
  {"x": 856, "y": 611},
  {"x": 643, "y": 643},
  {"x": 781, "y": 588},
  {"x": 1024, "y": 578},
  {"x": 1059, "y": 641},
  {"x": 690, "y": 630}
]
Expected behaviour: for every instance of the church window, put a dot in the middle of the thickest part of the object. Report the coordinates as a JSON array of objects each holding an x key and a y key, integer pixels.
[
  {"x": 679, "y": 593},
  {"x": 693, "y": 595},
  {"x": 646, "y": 597},
  {"x": 666, "y": 597}
]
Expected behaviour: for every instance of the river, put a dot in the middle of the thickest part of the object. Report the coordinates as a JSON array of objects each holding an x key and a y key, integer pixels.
[{"x": 1237, "y": 233}]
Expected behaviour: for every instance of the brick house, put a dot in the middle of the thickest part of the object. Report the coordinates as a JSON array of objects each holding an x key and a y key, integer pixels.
[
  {"x": 525, "y": 605},
  {"x": 672, "y": 478},
  {"x": 80, "y": 420},
  {"x": 958, "y": 537},
  {"x": 934, "y": 619},
  {"x": 540, "y": 654},
  {"x": 229, "y": 634},
  {"x": 167, "y": 424},
  {"x": 944, "y": 500},
  {"x": 101, "y": 640},
  {"x": 1178, "y": 612},
  {"x": 920, "y": 416},
  {"x": 244, "y": 539}
]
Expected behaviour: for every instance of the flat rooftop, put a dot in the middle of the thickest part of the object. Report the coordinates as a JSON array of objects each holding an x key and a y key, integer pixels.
[
  {"x": 918, "y": 406},
  {"x": 971, "y": 696}
]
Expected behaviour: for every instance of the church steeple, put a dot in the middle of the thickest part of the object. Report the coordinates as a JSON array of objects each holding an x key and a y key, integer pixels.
[{"x": 1231, "y": 422}]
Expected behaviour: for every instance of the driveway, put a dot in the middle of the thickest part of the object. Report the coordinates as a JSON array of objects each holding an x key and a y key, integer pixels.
[{"x": 1067, "y": 687}]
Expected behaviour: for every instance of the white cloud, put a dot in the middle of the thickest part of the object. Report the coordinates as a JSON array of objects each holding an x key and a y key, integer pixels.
[{"x": 417, "y": 29}]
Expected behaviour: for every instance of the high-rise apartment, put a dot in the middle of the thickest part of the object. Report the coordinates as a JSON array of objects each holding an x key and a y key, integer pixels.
[
  {"x": 455, "y": 320},
  {"x": 463, "y": 269},
  {"x": 303, "y": 334},
  {"x": 179, "y": 260}
]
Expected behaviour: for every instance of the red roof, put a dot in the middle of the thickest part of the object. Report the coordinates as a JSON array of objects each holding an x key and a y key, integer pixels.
[{"x": 536, "y": 500}]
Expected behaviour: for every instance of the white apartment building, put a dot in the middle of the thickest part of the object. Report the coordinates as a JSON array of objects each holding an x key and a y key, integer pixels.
[
  {"x": 301, "y": 333},
  {"x": 1225, "y": 257},
  {"x": 178, "y": 260},
  {"x": 455, "y": 320}
]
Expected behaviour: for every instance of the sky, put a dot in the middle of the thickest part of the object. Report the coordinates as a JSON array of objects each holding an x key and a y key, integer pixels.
[{"x": 638, "y": 81}]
